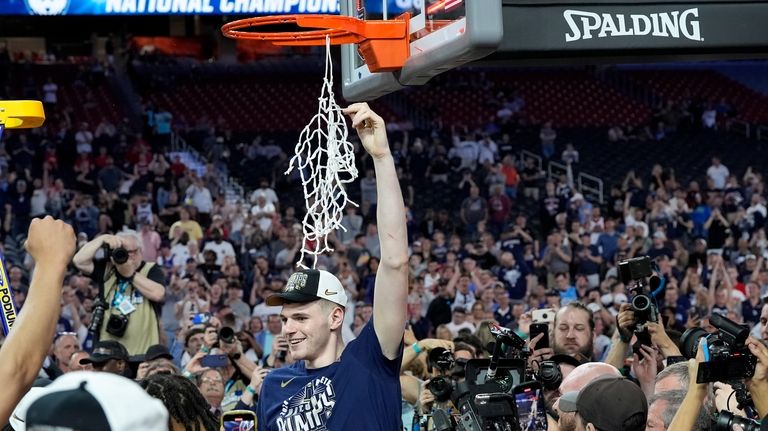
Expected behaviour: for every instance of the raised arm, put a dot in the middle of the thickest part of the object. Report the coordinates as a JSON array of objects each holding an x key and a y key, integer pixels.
[
  {"x": 51, "y": 244},
  {"x": 391, "y": 289}
]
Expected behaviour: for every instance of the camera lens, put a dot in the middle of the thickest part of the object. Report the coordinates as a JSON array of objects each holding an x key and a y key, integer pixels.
[
  {"x": 640, "y": 303},
  {"x": 726, "y": 420},
  {"x": 227, "y": 335},
  {"x": 689, "y": 341},
  {"x": 441, "y": 388},
  {"x": 120, "y": 255}
]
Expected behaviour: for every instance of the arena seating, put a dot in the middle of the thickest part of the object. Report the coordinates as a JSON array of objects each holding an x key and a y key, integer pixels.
[
  {"x": 570, "y": 98},
  {"x": 86, "y": 93},
  {"x": 707, "y": 85}
]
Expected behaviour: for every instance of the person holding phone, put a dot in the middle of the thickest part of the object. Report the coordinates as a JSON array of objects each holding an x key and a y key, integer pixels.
[{"x": 354, "y": 386}]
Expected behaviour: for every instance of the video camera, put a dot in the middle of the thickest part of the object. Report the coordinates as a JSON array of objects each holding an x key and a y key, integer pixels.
[
  {"x": 441, "y": 386},
  {"x": 633, "y": 273},
  {"x": 496, "y": 394},
  {"x": 726, "y": 357}
]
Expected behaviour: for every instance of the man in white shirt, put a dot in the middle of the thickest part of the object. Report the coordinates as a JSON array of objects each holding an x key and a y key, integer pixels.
[
  {"x": 220, "y": 246},
  {"x": 467, "y": 150},
  {"x": 264, "y": 189},
  {"x": 718, "y": 173},
  {"x": 84, "y": 138},
  {"x": 201, "y": 198},
  {"x": 459, "y": 322},
  {"x": 263, "y": 211}
]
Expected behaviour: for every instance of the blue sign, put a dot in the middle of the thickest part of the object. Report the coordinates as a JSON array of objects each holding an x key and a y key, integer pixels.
[
  {"x": 188, "y": 7},
  {"x": 166, "y": 7}
]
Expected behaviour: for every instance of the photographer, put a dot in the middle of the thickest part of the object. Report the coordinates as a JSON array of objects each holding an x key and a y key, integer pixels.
[
  {"x": 238, "y": 369},
  {"x": 435, "y": 392},
  {"x": 131, "y": 289},
  {"x": 622, "y": 337}
]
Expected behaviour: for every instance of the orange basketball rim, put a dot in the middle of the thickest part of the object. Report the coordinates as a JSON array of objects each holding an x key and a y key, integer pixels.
[{"x": 382, "y": 43}]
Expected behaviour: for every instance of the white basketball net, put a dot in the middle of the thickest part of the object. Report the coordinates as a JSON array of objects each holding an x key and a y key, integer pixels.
[{"x": 325, "y": 160}]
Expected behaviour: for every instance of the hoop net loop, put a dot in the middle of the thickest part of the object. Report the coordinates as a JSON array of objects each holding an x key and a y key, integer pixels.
[{"x": 325, "y": 160}]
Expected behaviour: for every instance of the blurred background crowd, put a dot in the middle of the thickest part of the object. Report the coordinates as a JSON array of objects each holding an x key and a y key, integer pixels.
[{"x": 524, "y": 189}]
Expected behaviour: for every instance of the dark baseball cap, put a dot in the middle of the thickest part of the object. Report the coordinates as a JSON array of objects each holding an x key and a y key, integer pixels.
[
  {"x": 104, "y": 351},
  {"x": 155, "y": 351},
  {"x": 608, "y": 404},
  {"x": 309, "y": 285}
]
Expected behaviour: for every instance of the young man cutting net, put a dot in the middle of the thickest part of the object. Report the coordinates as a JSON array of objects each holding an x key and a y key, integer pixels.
[{"x": 332, "y": 386}]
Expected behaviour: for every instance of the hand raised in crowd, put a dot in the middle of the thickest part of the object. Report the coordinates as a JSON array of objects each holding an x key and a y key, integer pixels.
[
  {"x": 694, "y": 321},
  {"x": 279, "y": 343},
  {"x": 257, "y": 378},
  {"x": 50, "y": 242},
  {"x": 141, "y": 372},
  {"x": 697, "y": 389},
  {"x": 211, "y": 337},
  {"x": 231, "y": 348},
  {"x": 645, "y": 368},
  {"x": 538, "y": 355},
  {"x": 426, "y": 399},
  {"x": 194, "y": 366},
  {"x": 661, "y": 340},
  {"x": 626, "y": 321}
]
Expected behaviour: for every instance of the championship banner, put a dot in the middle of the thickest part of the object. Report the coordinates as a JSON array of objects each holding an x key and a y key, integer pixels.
[
  {"x": 188, "y": 7},
  {"x": 6, "y": 295}
]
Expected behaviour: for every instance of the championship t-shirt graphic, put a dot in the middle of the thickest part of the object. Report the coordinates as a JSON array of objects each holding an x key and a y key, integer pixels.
[{"x": 309, "y": 409}]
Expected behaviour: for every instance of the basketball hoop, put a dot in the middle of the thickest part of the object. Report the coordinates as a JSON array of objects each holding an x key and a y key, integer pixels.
[
  {"x": 382, "y": 43},
  {"x": 324, "y": 158}
]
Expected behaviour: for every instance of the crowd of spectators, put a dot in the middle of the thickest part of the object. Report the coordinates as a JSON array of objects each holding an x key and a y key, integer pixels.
[{"x": 509, "y": 241}]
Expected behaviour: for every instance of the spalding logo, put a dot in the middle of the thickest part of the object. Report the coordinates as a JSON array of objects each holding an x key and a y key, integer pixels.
[{"x": 47, "y": 7}]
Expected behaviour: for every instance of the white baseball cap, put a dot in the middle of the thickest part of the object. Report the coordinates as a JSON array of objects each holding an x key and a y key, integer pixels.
[{"x": 91, "y": 401}]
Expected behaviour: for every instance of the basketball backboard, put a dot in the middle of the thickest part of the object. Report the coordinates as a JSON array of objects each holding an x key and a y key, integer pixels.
[
  {"x": 444, "y": 34},
  {"x": 449, "y": 33}
]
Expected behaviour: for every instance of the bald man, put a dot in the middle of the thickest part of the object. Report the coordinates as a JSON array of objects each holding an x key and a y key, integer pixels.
[{"x": 578, "y": 379}]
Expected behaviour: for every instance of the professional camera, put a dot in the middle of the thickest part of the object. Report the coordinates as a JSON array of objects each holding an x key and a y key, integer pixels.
[
  {"x": 117, "y": 324},
  {"x": 227, "y": 335},
  {"x": 549, "y": 375},
  {"x": 633, "y": 273},
  {"x": 725, "y": 420},
  {"x": 727, "y": 356},
  {"x": 118, "y": 255},
  {"x": 442, "y": 385}
]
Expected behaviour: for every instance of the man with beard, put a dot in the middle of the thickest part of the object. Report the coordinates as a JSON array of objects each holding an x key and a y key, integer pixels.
[{"x": 573, "y": 335}]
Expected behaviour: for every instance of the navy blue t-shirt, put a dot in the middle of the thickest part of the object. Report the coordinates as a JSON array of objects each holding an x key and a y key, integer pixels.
[{"x": 361, "y": 391}]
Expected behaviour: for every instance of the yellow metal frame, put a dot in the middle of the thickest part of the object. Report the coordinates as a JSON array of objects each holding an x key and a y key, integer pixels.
[{"x": 21, "y": 114}]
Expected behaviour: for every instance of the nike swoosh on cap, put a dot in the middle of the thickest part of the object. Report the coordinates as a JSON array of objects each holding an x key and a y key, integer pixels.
[{"x": 330, "y": 292}]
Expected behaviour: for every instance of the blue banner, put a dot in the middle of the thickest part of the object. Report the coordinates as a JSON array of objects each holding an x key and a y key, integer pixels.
[{"x": 187, "y": 7}]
